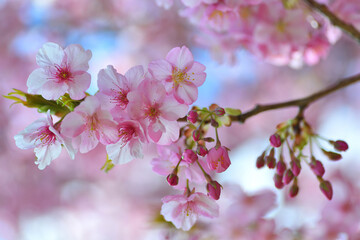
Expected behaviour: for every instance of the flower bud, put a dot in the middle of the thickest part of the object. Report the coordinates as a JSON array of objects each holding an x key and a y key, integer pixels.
[
  {"x": 260, "y": 162},
  {"x": 270, "y": 162},
  {"x": 340, "y": 145},
  {"x": 218, "y": 159},
  {"x": 196, "y": 135},
  {"x": 189, "y": 156},
  {"x": 214, "y": 123},
  {"x": 275, "y": 140},
  {"x": 278, "y": 181},
  {"x": 219, "y": 111},
  {"x": 214, "y": 189},
  {"x": 280, "y": 167},
  {"x": 201, "y": 150},
  {"x": 295, "y": 166},
  {"x": 192, "y": 116},
  {"x": 288, "y": 176},
  {"x": 317, "y": 167},
  {"x": 294, "y": 190},
  {"x": 332, "y": 155},
  {"x": 326, "y": 189},
  {"x": 270, "y": 159},
  {"x": 172, "y": 179}
]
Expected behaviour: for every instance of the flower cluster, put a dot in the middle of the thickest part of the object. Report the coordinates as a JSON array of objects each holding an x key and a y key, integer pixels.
[
  {"x": 295, "y": 135},
  {"x": 128, "y": 112},
  {"x": 280, "y": 32},
  {"x": 195, "y": 165}
]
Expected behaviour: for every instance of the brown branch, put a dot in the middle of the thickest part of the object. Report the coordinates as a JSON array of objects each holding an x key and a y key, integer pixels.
[
  {"x": 335, "y": 20},
  {"x": 302, "y": 103}
]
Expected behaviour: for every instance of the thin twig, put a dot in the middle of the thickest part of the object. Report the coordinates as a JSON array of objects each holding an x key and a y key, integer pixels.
[
  {"x": 302, "y": 103},
  {"x": 335, "y": 20}
]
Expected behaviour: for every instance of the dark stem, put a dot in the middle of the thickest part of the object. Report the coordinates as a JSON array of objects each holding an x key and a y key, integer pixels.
[
  {"x": 301, "y": 103},
  {"x": 335, "y": 20}
]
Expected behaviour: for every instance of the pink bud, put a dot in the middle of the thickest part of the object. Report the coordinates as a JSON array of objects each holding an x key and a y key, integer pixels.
[
  {"x": 326, "y": 189},
  {"x": 214, "y": 189},
  {"x": 219, "y": 111},
  {"x": 317, "y": 167},
  {"x": 192, "y": 116},
  {"x": 218, "y": 159},
  {"x": 196, "y": 135},
  {"x": 275, "y": 140},
  {"x": 278, "y": 181},
  {"x": 189, "y": 156},
  {"x": 288, "y": 176},
  {"x": 260, "y": 162},
  {"x": 295, "y": 166},
  {"x": 294, "y": 190},
  {"x": 341, "y": 145},
  {"x": 280, "y": 167},
  {"x": 172, "y": 179},
  {"x": 202, "y": 150},
  {"x": 270, "y": 162}
]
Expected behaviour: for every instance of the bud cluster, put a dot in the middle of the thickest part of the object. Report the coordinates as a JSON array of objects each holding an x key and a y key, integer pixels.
[
  {"x": 199, "y": 121},
  {"x": 295, "y": 135}
]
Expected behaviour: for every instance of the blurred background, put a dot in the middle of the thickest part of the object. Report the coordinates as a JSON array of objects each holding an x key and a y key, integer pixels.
[{"x": 74, "y": 199}]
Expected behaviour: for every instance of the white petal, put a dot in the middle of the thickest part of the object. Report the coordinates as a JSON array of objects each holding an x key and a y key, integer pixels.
[
  {"x": 77, "y": 58},
  {"x": 49, "y": 55}
]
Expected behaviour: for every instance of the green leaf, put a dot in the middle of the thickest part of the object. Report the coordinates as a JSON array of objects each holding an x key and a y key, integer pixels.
[
  {"x": 232, "y": 111},
  {"x": 290, "y": 4}
]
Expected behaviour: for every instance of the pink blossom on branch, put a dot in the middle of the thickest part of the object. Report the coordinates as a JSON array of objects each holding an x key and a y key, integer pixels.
[
  {"x": 46, "y": 140},
  {"x": 180, "y": 74},
  {"x": 129, "y": 146},
  {"x": 114, "y": 87},
  {"x": 156, "y": 111},
  {"x": 89, "y": 124},
  {"x": 183, "y": 211},
  {"x": 218, "y": 159},
  {"x": 61, "y": 71}
]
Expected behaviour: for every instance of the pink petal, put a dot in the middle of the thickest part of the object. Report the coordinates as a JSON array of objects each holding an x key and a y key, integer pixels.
[
  {"x": 49, "y": 55},
  {"x": 160, "y": 69},
  {"x": 77, "y": 57},
  {"x": 171, "y": 134},
  {"x": 197, "y": 74},
  {"x": 79, "y": 85},
  {"x": 109, "y": 80},
  {"x": 45, "y": 154},
  {"x": 88, "y": 141},
  {"x": 36, "y": 80},
  {"x": 206, "y": 206},
  {"x": 52, "y": 90},
  {"x": 72, "y": 125},
  {"x": 180, "y": 57},
  {"x": 191, "y": 3},
  {"x": 186, "y": 93},
  {"x": 89, "y": 106},
  {"x": 154, "y": 91},
  {"x": 135, "y": 76},
  {"x": 119, "y": 154},
  {"x": 161, "y": 166},
  {"x": 155, "y": 131},
  {"x": 171, "y": 110},
  {"x": 108, "y": 132}
]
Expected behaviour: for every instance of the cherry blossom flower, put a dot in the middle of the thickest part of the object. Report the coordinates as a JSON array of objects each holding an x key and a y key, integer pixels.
[
  {"x": 218, "y": 159},
  {"x": 114, "y": 87},
  {"x": 167, "y": 160},
  {"x": 129, "y": 146},
  {"x": 61, "y": 71},
  {"x": 46, "y": 140},
  {"x": 180, "y": 74},
  {"x": 157, "y": 111},
  {"x": 89, "y": 124},
  {"x": 183, "y": 211}
]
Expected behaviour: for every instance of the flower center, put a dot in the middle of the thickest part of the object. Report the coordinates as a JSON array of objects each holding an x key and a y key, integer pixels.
[
  {"x": 152, "y": 112},
  {"x": 62, "y": 73},
  {"x": 119, "y": 97},
  {"x": 178, "y": 76},
  {"x": 91, "y": 122},
  {"x": 126, "y": 133},
  {"x": 46, "y": 136}
]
